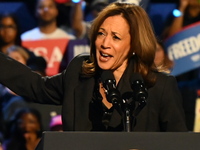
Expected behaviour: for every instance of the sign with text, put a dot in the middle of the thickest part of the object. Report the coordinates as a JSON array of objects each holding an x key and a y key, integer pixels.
[
  {"x": 184, "y": 49},
  {"x": 51, "y": 49},
  {"x": 74, "y": 48}
]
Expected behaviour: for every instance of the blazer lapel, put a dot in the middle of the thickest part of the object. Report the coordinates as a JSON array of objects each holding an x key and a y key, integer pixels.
[{"x": 83, "y": 96}]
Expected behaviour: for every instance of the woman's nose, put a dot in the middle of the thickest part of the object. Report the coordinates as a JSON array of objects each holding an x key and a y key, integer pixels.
[{"x": 106, "y": 43}]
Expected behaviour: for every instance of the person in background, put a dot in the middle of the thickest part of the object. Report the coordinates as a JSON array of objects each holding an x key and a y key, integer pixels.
[
  {"x": 122, "y": 50},
  {"x": 18, "y": 53},
  {"x": 9, "y": 31},
  {"x": 188, "y": 82},
  {"x": 25, "y": 130},
  {"x": 162, "y": 60},
  {"x": 46, "y": 12},
  {"x": 11, "y": 102},
  {"x": 63, "y": 19},
  {"x": 189, "y": 12},
  {"x": 79, "y": 25}
]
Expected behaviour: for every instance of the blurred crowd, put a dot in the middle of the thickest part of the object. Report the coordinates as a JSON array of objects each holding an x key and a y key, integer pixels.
[{"x": 21, "y": 123}]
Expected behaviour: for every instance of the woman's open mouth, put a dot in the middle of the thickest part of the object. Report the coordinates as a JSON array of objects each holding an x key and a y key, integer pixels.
[{"x": 104, "y": 57}]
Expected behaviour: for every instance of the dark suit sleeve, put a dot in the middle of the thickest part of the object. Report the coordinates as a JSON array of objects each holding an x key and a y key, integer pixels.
[
  {"x": 171, "y": 112},
  {"x": 20, "y": 79}
]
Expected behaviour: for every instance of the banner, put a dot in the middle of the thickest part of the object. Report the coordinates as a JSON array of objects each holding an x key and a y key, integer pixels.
[
  {"x": 184, "y": 49},
  {"x": 74, "y": 48},
  {"x": 51, "y": 49}
]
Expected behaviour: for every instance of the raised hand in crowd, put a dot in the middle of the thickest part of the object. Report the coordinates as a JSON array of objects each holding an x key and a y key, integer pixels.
[{"x": 188, "y": 12}]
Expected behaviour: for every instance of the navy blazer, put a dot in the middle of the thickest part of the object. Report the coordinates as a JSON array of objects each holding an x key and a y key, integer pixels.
[{"x": 163, "y": 112}]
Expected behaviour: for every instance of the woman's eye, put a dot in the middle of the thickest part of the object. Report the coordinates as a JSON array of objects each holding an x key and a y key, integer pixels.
[
  {"x": 101, "y": 33},
  {"x": 116, "y": 37}
]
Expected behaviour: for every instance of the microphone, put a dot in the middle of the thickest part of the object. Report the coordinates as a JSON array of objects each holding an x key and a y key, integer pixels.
[
  {"x": 140, "y": 93},
  {"x": 109, "y": 83},
  {"x": 138, "y": 87}
]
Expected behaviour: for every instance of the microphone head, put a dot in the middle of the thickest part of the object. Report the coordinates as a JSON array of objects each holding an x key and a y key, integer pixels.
[
  {"x": 108, "y": 80},
  {"x": 138, "y": 86},
  {"x": 109, "y": 83}
]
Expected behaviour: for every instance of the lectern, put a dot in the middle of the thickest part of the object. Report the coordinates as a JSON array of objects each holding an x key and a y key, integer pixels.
[{"x": 119, "y": 141}]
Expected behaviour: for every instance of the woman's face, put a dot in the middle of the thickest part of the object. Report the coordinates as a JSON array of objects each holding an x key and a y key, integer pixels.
[
  {"x": 8, "y": 30},
  {"x": 28, "y": 123},
  {"x": 113, "y": 44}
]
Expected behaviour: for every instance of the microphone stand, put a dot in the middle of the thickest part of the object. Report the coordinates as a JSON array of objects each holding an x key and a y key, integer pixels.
[
  {"x": 141, "y": 104},
  {"x": 127, "y": 117},
  {"x": 128, "y": 120},
  {"x": 129, "y": 114}
]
